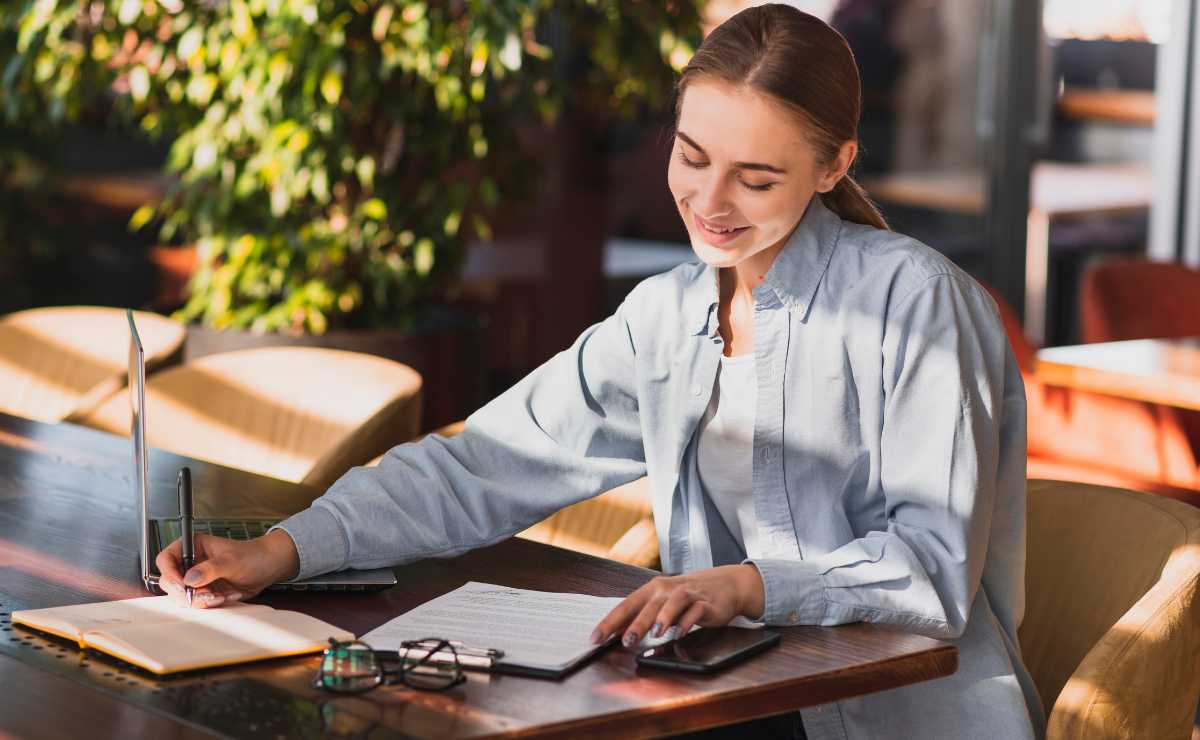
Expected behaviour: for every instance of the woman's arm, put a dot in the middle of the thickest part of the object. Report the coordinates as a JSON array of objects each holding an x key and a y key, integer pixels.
[
  {"x": 952, "y": 471},
  {"x": 567, "y": 432}
]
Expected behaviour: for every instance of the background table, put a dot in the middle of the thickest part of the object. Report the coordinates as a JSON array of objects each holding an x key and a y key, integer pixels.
[
  {"x": 67, "y": 535},
  {"x": 1058, "y": 190},
  {"x": 1165, "y": 371}
]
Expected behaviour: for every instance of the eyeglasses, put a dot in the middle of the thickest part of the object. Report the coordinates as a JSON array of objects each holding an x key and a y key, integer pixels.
[{"x": 431, "y": 664}]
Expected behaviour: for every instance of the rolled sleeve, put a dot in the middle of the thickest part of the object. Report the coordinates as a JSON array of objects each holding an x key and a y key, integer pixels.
[{"x": 320, "y": 541}]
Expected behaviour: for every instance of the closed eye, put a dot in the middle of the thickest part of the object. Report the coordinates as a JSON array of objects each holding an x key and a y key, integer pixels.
[
  {"x": 683, "y": 159},
  {"x": 759, "y": 188}
]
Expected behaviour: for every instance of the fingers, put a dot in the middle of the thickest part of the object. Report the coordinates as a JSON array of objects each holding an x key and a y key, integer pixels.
[
  {"x": 647, "y": 623},
  {"x": 170, "y": 565},
  {"x": 204, "y": 577},
  {"x": 694, "y": 614},
  {"x": 621, "y": 615}
]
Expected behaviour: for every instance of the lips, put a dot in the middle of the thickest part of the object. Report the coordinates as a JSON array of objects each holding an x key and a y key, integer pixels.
[{"x": 717, "y": 234}]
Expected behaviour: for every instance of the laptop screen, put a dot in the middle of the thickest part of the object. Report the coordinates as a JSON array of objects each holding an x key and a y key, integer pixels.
[{"x": 137, "y": 436}]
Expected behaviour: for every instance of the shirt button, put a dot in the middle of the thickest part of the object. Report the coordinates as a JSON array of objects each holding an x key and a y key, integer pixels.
[
  {"x": 793, "y": 617},
  {"x": 798, "y": 310},
  {"x": 866, "y": 619},
  {"x": 697, "y": 390}
]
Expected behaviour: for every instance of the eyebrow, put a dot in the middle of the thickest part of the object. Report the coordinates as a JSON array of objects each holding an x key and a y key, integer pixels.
[{"x": 740, "y": 165}]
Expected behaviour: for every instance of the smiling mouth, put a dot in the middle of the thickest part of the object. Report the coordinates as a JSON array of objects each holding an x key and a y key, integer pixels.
[{"x": 719, "y": 229}]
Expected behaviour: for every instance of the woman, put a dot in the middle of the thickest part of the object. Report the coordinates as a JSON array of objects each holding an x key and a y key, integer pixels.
[{"x": 830, "y": 416}]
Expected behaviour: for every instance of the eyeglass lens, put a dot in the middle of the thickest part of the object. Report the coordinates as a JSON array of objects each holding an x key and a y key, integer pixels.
[
  {"x": 427, "y": 675},
  {"x": 347, "y": 670}
]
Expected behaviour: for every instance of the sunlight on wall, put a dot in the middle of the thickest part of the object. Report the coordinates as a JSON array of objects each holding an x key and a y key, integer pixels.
[{"x": 1119, "y": 20}]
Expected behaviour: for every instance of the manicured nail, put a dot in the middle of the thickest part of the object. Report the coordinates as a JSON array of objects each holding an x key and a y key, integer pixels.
[
  {"x": 630, "y": 640},
  {"x": 597, "y": 636},
  {"x": 177, "y": 586},
  {"x": 232, "y": 596},
  {"x": 656, "y": 630},
  {"x": 193, "y": 577},
  {"x": 210, "y": 599}
]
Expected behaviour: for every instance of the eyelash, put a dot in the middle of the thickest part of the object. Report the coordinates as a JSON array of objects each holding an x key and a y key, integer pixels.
[{"x": 683, "y": 159}]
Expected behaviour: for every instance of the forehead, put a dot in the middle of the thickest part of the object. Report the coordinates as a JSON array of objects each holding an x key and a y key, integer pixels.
[{"x": 741, "y": 125}]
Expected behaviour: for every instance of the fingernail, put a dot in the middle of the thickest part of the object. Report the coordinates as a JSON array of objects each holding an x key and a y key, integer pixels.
[
  {"x": 656, "y": 630},
  {"x": 597, "y": 636},
  {"x": 630, "y": 640},
  {"x": 192, "y": 577},
  {"x": 177, "y": 586},
  {"x": 232, "y": 596},
  {"x": 210, "y": 599}
]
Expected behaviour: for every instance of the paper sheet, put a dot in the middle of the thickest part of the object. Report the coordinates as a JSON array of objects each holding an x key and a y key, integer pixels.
[{"x": 535, "y": 629}]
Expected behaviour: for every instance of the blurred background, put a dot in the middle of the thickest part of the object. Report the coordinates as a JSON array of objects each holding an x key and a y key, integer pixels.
[{"x": 484, "y": 184}]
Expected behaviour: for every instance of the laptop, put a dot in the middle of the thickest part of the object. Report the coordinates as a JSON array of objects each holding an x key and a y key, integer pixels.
[{"x": 154, "y": 533}]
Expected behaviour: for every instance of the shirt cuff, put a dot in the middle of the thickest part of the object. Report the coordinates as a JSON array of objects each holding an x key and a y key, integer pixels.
[
  {"x": 320, "y": 541},
  {"x": 793, "y": 592}
]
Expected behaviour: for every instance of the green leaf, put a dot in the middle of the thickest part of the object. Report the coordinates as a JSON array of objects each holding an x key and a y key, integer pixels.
[
  {"x": 423, "y": 257},
  {"x": 374, "y": 208},
  {"x": 141, "y": 217},
  {"x": 331, "y": 88}
]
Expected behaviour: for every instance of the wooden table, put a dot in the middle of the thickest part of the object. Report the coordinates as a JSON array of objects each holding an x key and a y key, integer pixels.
[
  {"x": 67, "y": 535},
  {"x": 1165, "y": 371}
]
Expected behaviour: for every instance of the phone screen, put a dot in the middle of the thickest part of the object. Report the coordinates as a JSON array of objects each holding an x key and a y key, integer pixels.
[{"x": 710, "y": 647}]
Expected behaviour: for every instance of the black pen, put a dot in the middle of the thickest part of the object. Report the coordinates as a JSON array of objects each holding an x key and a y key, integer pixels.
[{"x": 184, "y": 487}]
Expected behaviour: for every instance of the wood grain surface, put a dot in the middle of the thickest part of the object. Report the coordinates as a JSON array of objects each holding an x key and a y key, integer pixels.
[
  {"x": 67, "y": 535},
  {"x": 1165, "y": 371}
]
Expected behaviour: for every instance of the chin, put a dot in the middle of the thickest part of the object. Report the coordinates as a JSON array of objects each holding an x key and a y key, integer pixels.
[{"x": 726, "y": 256}]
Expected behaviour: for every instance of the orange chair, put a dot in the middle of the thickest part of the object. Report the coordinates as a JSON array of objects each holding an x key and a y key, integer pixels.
[
  {"x": 1092, "y": 438},
  {"x": 1133, "y": 298}
]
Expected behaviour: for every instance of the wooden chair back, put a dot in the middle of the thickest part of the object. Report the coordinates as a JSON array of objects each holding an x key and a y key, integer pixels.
[
  {"x": 1111, "y": 633},
  {"x": 297, "y": 413},
  {"x": 59, "y": 363}
]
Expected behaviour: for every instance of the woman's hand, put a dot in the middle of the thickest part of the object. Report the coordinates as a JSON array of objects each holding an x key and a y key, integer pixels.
[
  {"x": 709, "y": 598},
  {"x": 227, "y": 571}
]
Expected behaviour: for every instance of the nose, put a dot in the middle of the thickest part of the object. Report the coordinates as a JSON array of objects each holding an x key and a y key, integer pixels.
[{"x": 711, "y": 199}]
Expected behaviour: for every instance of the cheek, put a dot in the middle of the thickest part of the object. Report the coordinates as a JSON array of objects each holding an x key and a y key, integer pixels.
[
  {"x": 681, "y": 181},
  {"x": 775, "y": 213}
]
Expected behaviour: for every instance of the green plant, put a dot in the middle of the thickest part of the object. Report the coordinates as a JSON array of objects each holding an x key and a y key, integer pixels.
[{"x": 334, "y": 155}]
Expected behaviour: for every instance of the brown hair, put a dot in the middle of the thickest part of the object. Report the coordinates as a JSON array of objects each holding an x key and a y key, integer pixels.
[{"x": 802, "y": 63}]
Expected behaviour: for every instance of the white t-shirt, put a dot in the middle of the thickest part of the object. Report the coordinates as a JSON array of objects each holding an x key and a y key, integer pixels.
[{"x": 726, "y": 449}]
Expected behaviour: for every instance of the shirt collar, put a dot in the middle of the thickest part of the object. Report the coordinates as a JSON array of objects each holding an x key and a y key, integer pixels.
[
  {"x": 798, "y": 269},
  {"x": 794, "y": 276}
]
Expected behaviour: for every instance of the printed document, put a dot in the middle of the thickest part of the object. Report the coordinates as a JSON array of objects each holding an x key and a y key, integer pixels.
[{"x": 538, "y": 631}]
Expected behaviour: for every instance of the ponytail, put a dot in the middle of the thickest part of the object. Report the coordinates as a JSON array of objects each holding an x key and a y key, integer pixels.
[
  {"x": 800, "y": 61},
  {"x": 849, "y": 202}
]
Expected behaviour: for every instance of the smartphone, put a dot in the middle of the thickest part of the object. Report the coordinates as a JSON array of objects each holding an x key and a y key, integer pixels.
[{"x": 708, "y": 650}]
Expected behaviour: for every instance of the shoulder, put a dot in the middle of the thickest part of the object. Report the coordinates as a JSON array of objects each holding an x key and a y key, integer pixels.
[
  {"x": 872, "y": 259},
  {"x": 678, "y": 291}
]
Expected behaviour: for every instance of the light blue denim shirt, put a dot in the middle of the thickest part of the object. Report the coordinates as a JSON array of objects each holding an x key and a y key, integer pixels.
[{"x": 889, "y": 463}]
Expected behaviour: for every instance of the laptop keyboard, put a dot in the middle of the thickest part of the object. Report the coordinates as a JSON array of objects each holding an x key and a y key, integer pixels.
[{"x": 230, "y": 529}]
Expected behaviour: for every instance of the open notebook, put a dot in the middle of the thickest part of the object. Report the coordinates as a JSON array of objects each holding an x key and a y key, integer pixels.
[{"x": 161, "y": 637}]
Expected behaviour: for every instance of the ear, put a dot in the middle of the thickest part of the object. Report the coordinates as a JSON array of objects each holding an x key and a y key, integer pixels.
[{"x": 839, "y": 165}]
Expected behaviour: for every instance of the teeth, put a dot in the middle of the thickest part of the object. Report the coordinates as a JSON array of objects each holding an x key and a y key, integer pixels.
[{"x": 718, "y": 231}]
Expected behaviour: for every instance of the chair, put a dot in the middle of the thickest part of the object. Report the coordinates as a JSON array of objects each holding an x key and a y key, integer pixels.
[
  {"x": 59, "y": 363},
  {"x": 1093, "y": 438},
  {"x": 297, "y": 413},
  {"x": 1111, "y": 633},
  {"x": 1123, "y": 299},
  {"x": 617, "y": 524}
]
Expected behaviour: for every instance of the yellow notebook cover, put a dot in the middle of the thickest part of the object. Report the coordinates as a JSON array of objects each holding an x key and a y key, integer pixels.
[{"x": 158, "y": 635}]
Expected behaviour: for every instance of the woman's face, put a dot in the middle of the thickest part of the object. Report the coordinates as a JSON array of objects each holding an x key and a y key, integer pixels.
[{"x": 742, "y": 173}]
